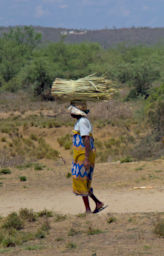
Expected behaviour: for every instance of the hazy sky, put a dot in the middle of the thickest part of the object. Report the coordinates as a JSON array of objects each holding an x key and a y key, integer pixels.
[{"x": 84, "y": 14}]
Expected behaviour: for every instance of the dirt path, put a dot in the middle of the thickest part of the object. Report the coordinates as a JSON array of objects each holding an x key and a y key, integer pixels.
[{"x": 126, "y": 201}]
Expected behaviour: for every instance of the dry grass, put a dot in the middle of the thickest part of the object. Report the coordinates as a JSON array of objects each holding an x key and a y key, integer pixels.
[
  {"x": 119, "y": 132},
  {"x": 131, "y": 234}
]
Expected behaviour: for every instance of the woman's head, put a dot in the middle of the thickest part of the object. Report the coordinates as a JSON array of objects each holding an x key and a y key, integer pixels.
[{"x": 78, "y": 109}]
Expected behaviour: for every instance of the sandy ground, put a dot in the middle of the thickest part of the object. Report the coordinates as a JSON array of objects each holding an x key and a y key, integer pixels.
[
  {"x": 65, "y": 202},
  {"x": 121, "y": 187}
]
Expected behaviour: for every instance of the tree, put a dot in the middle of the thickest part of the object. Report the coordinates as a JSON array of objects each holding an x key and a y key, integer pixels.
[
  {"x": 24, "y": 35},
  {"x": 11, "y": 58},
  {"x": 16, "y": 48},
  {"x": 37, "y": 75},
  {"x": 154, "y": 109}
]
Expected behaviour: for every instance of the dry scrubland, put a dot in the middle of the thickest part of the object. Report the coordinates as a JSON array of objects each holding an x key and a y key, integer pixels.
[
  {"x": 36, "y": 157},
  {"x": 44, "y": 233}
]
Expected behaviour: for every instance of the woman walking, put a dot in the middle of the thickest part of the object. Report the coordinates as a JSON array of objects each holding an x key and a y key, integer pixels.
[{"x": 83, "y": 156}]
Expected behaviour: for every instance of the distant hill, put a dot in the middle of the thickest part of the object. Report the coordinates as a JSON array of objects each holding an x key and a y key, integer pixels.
[{"x": 105, "y": 37}]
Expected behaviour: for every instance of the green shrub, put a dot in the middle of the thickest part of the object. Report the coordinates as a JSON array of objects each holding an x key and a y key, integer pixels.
[
  {"x": 159, "y": 228},
  {"x": 45, "y": 226},
  {"x": 13, "y": 221},
  {"x": 124, "y": 72},
  {"x": 3, "y": 139},
  {"x": 154, "y": 109},
  {"x": 24, "y": 237},
  {"x": 67, "y": 145},
  {"x": 5, "y": 130},
  {"x": 28, "y": 142},
  {"x": 40, "y": 234},
  {"x": 33, "y": 137},
  {"x": 111, "y": 220},
  {"x": 126, "y": 159},
  {"x": 9, "y": 241},
  {"x": 23, "y": 178},
  {"x": 68, "y": 175},
  {"x": 45, "y": 213},
  {"x": 65, "y": 141},
  {"x": 5, "y": 171},
  {"x": 12, "y": 237},
  {"x": 142, "y": 77},
  {"x": 50, "y": 125},
  {"x": 38, "y": 167},
  {"x": 1, "y": 236},
  {"x": 25, "y": 166},
  {"x": 27, "y": 214}
]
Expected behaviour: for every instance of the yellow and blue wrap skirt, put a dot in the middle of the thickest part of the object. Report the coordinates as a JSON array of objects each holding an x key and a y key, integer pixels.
[{"x": 82, "y": 178}]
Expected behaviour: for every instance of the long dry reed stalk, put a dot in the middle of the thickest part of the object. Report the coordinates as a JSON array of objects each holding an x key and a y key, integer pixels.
[{"x": 89, "y": 88}]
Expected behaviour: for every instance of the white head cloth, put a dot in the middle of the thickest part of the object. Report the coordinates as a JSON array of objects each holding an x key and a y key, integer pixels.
[{"x": 75, "y": 111}]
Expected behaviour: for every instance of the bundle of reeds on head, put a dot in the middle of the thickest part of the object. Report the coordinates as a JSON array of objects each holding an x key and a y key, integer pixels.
[{"x": 89, "y": 88}]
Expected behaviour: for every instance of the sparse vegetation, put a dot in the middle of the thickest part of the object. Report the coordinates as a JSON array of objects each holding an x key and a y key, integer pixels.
[
  {"x": 159, "y": 228},
  {"x": 45, "y": 213},
  {"x": 94, "y": 231},
  {"x": 139, "y": 168},
  {"x": 27, "y": 215},
  {"x": 40, "y": 234},
  {"x": 5, "y": 171},
  {"x": 25, "y": 166},
  {"x": 73, "y": 232},
  {"x": 81, "y": 215},
  {"x": 3, "y": 139},
  {"x": 59, "y": 239},
  {"x": 34, "y": 247},
  {"x": 13, "y": 221},
  {"x": 60, "y": 217},
  {"x": 71, "y": 245},
  {"x": 12, "y": 227},
  {"x": 68, "y": 175},
  {"x": 36, "y": 236},
  {"x": 111, "y": 219},
  {"x": 33, "y": 137},
  {"x": 65, "y": 141},
  {"x": 38, "y": 167},
  {"x": 127, "y": 159},
  {"x": 45, "y": 226},
  {"x": 23, "y": 178}
]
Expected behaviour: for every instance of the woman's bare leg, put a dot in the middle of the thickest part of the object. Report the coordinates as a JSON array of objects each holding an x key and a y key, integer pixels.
[
  {"x": 86, "y": 203},
  {"x": 98, "y": 203}
]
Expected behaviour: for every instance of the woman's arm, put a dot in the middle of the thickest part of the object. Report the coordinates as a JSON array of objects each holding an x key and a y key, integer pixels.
[{"x": 87, "y": 151}]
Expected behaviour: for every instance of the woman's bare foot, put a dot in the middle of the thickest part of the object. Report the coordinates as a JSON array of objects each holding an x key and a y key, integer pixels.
[
  {"x": 88, "y": 211},
  {"x": 99, "y": 207}
]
